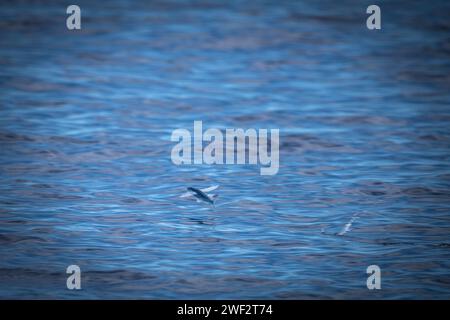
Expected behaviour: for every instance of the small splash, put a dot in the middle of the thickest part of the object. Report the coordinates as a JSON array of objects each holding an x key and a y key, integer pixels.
[{"x": 348, "y": 225}]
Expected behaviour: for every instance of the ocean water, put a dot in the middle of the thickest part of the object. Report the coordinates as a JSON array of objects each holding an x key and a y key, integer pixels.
[{"x": 86, "y": 176}]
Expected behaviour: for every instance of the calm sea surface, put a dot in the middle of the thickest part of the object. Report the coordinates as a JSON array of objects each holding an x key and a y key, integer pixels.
[{"x": 86, "y": 176}]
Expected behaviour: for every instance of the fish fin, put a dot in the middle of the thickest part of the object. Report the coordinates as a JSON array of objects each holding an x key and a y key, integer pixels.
[
  {"x": 186, "y": 195},
  {"x": 205, "y": 190}
]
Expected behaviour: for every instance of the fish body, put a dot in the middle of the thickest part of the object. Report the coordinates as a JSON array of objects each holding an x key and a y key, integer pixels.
[{"x": 199, "y": 194}]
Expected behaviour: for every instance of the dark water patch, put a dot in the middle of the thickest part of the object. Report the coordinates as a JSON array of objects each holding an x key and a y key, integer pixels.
[
  {"x": 306, "y": 143},
  {"x": 58, "y": 196},
  {"x": 443, "y": 245},
  {"x": 13, "y": 222},
  {"x": 434, "y": 137},
  {"x": 131, "y": 200},
  {"x": 116, "y": 275},
  {"x": 69, "y": 140},
  {"x": 6, "y": 239},
  {"x": 13, "y": 138},
  {"x": 423, "y": 191},
  {"x": 374, "y": 192}
]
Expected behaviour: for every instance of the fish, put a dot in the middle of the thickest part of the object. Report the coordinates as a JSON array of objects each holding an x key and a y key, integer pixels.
[
  {"x": 346, "y": 228},
  {"x": 348, "y": 225},
  {"x": 201, "y": 194}
]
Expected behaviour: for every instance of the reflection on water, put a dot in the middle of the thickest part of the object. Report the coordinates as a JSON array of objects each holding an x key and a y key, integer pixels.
[{"x": 86, "y": 175}]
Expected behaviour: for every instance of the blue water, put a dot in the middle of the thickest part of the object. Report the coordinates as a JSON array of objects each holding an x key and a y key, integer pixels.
[{"x": 86, "y": 176}]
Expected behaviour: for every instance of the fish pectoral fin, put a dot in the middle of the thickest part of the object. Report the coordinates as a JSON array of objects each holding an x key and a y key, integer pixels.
[
  {"x": 209, "y": 189},
  {"x": 186, "y": 195},
  {"x": 213, "y": 196}
]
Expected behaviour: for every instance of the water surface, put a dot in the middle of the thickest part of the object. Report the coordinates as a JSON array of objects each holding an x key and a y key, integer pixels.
[{"x": 86, "y": 176}]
